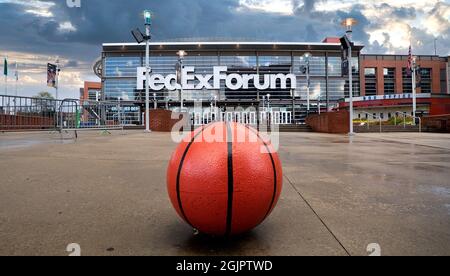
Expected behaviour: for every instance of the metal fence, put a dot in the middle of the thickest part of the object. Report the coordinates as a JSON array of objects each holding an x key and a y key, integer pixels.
[{"x": 24, "y": 113}]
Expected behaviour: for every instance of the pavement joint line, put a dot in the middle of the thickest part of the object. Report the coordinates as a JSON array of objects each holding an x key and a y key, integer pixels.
[
  {"x": 317, "y": 215},
  {"x": 84, "y": 158},
  {"x": 406, "y": 143}
]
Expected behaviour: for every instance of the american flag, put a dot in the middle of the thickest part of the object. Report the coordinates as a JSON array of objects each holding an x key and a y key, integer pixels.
[{"x": 410, "y": 61}]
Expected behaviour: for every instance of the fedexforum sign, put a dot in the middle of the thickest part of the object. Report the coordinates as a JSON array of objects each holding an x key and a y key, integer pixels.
[{"x": 192, "y": 81}]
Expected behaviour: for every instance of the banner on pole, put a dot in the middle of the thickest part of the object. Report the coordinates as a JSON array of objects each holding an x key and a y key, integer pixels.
[
  {"x": 5, "y": 67},
  {"x": 51, "y": 75}
]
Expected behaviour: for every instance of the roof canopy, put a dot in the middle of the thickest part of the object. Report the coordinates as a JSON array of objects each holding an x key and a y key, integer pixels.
[{"x": 227, "y": 46}]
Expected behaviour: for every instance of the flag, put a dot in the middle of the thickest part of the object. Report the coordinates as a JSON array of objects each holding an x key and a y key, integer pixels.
[
  {"x": 5, "y": 67},
  {"x": 410, "y": 61},
  {"x": 51, "y": 75}
]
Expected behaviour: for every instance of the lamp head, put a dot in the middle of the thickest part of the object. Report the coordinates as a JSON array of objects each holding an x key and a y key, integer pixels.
[
  {"x": 307, "y": 56},
  {"x": 148, "y": 17},
  {"x": 348, "y": 23},
  {"x": 181, "y": 53}
]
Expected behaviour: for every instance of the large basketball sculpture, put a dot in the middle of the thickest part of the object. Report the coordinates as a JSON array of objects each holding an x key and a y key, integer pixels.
[{"x": 224, "y": 179}]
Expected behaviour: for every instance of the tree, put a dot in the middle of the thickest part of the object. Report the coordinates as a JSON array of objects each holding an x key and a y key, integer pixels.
[
  {"x": 44, "y": 102},
  {"x": 44, "y": 95}
]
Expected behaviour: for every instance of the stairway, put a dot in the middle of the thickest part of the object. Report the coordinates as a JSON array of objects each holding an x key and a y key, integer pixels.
[{"x": 295, "y": 128}]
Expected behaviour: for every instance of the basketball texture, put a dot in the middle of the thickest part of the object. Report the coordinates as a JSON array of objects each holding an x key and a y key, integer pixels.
[{"x": 224, "y": 179}]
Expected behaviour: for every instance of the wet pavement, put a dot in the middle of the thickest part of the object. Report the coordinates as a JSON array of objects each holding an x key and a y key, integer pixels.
[{"x": 108, "y": 194}]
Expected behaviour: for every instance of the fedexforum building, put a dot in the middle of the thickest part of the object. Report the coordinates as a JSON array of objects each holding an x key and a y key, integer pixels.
[{"x": 267, "y": 76}]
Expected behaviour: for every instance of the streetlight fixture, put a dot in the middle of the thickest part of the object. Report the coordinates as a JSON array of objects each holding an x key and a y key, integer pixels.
[
  {"x": 140, "y": 37},
  {"x": 306, "y": 70},
  {"x": 179, "y": 67},
  {"x": 348, "y": 24}
]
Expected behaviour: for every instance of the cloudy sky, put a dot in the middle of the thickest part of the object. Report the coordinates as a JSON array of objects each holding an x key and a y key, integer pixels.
[{"x": 34, "y": 32}]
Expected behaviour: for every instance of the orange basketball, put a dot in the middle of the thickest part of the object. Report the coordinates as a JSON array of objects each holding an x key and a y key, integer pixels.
[{"x": 224, "y": 179}]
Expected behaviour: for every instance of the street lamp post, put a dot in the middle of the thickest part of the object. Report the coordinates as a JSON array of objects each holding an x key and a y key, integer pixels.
[
  {"x": 414, "y": 88},
  {"x": 348, "y": 24},
  {"x": 318, "y": 103},
  {"x": 58, "y": 69},
  {"x": 119, "y": 115},
  {"x": 148, "y": 23},
  {"x": 140, "y": 37},
  {"x": 181, "y": 54},
  {"x": 307, "y": 57}
]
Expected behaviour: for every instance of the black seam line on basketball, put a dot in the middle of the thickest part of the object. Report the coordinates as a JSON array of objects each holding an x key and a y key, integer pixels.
[
  {"x": 230, "y": 180},
  {"x": 180, "y": 167},
  {"x": 275, "y": 182}
]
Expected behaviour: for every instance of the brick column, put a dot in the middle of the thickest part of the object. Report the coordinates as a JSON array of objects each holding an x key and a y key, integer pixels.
[
  {"x": 398, "y": 80},
  {"x": 380, "y": 81}
]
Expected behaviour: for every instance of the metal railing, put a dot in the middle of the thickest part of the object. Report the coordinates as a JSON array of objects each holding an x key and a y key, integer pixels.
[
  {"x": 406, "y": 115},
  {"x": 378, "y": 118},
  {"x": 25, "y": 113}
]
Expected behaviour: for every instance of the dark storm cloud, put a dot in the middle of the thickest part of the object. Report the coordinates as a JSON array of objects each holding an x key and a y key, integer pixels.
[{"x": 99, "y": 21}]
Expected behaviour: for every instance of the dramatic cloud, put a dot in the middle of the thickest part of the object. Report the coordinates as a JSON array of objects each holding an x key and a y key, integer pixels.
[{"x": 34, "y": 32}]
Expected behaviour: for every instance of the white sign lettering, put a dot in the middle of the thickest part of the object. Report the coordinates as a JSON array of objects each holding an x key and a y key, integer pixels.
[{"x": 192, "y": 81}]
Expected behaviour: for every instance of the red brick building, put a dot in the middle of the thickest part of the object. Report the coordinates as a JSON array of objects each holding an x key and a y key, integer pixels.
[
  {"x": 386, "y": 86},
  {"x": 92, "y": 91},
  {"x": 387, "y": 75}
]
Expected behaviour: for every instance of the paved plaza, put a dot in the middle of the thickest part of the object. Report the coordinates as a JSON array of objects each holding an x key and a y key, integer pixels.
[{"x": 108, "y": 194}]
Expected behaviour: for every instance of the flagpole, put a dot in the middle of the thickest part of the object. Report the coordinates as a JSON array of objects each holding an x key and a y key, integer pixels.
[
  {"x": 57, "y": 78},
  {"x": 414, "y": 83},
  {"x": 17, "y": 77}
]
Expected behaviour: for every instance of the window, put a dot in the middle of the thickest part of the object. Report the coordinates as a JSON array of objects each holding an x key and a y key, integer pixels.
[
  {"x": 121, "y": 66},
  {"x": 425, "y": 79},
  {"x": 407, "y": 80},
  {"x": 371, "y": 81},
  {"x": 389, "y": 81},
  {"x": 443, "y": 81},
  {"x": 94, "y": 94}
]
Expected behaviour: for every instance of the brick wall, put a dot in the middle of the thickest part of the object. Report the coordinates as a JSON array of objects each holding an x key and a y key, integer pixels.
[
  {"x": 330, "y": 122},
  {"x": 439, "y": 123},
  {"x": 397, "y": 63},
  {"x": 161, "y": 120},
  {"x": 19, "y": 122}
]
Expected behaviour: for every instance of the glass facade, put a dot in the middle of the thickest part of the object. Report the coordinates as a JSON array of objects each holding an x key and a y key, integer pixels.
[{"x": 327, "y": 83}]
